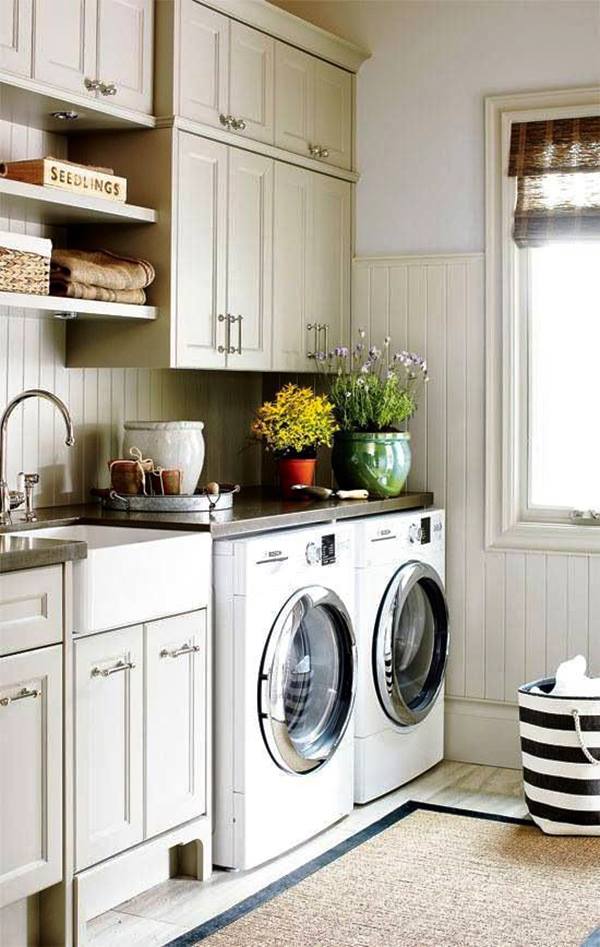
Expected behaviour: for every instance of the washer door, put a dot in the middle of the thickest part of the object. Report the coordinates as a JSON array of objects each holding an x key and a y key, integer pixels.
[
  {"x": 308, "y": 680},
  {"x": 411, "y": 643}
]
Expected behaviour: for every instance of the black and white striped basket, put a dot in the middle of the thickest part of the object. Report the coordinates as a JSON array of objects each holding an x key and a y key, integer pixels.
[{"x": 560, "y": 743}]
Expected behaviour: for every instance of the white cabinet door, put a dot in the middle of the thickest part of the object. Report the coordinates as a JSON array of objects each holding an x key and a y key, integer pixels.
[
  {"x": 65, "y": 43},
  {"x": 176, "y": 736},
  {"x": 332, "y": 123},
  {"x": 203, "y": 64},
  {"x": 250, "y": 260},
  {"x": 292, "y": 340},
  {"x": 251, "y": 81},
  {"x": 125, "y": 48},
  {"x": 30, "y": 772},
  {"x": 330, "y": 264},
  {"x": 16, "y": 35},
  {"x": 313, "y": 107},
  {"x": 109, "y": 814},
  {"x": 201, "y": 329},
  {"x": 293, "y": 99}
]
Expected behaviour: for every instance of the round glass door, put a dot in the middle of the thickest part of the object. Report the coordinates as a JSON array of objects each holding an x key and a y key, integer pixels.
[
  {"x": 308, "y": 680},
  {"x": 411, "y": 643}
]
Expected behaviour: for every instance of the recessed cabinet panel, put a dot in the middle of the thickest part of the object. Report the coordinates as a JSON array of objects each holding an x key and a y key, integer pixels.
[
  {"x": 30, "y": 609},
  {"x": 204, "y": 63},
  {"x": 250, "y": 259},
  {"x": 176, "y": 738},
  {"x": 291, "y": 268},
  {"x": 332, "y": 129},
  {"x": 201, "y": 252},
  {"x": 16, "y": 36},
  {"x": 125, "y": 30},
  {"x": 30, "y": 772},
  {"x": 330, "y": 269},
  {"x": 108, "y": 744},
  {"x": 293, "y": 99},
  {"x": 251, "y": 81},
  {"x": 65, "y": 43}
]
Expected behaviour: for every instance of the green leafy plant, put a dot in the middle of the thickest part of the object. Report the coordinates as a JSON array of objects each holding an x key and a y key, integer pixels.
[
  {"x": 371, "y": 389},
  {"x": 296, "y": 422}
]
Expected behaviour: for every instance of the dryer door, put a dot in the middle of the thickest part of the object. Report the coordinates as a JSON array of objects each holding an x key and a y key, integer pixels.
[
  {"x": 410, "y": 647},
  {"x": 308, "y": 680}
]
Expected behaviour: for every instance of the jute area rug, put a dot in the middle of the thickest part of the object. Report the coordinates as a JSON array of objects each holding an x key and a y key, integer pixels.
[{"x": 427, "y": 876}]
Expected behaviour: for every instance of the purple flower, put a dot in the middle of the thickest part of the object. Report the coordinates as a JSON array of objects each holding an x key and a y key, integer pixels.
[{"x": 341, "y": 351}]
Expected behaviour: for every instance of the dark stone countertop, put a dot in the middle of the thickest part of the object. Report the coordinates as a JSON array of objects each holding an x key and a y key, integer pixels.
[
  {"x": 26, "y": 552},
  {"x": 255, "y": 510}
]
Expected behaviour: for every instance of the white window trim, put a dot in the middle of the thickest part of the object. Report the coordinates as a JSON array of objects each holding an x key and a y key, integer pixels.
[{"x": 506, "y": 336}]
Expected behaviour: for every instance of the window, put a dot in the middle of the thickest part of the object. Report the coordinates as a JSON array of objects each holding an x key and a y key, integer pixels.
[{"x": 543, "y": 320}]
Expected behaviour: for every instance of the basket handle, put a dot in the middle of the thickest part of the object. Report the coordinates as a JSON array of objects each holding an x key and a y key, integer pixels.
[{"x": 577, "y": 721}]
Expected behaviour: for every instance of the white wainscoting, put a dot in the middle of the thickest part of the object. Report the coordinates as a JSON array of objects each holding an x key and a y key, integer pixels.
[{"x": 514, "y": 616}]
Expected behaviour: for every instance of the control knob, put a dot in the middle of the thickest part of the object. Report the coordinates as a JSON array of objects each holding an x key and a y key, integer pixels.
[
  {"x": 313, "y": 554},
  {"x": 415, "y": 533}
]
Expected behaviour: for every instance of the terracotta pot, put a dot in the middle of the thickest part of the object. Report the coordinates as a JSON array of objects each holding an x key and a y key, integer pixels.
[{"x": 294, "y": 470}]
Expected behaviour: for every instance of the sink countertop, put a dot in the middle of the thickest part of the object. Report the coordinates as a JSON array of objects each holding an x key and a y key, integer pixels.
[
  {"x": 27, "y": 552},
  {"x": 255, "y": 510}
]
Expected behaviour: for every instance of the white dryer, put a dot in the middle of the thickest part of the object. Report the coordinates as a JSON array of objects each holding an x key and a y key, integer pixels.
[
  {"x": 401, "y": 624},
  {"x": 285, "y": 683}
]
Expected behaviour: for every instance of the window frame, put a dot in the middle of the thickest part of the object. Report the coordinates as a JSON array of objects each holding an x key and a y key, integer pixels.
[{"x": 507, "y": 524}]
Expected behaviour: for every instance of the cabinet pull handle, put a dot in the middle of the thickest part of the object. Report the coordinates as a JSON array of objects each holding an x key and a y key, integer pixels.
[
  {"x": 239, "y": 322},
  {"x": 223, "y": 349},
  {"x": 316, "y": 328},
  {"x": 231, "y": 349},
  {"x": 92, "y": 85},
  {"x": 177, "y": 652},
  {"x": 5, "y": 701},
  {"x": 119, "y": 666},
  {"x": 325, "y": 327},
  {"x": 108, "y": 88}
]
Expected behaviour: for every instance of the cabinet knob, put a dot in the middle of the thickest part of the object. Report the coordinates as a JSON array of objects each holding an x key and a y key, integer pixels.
[
  {"x": 227, "y": 121},
  {"x": 316, "y": 151},
  {"x": 108, "y": 88},
  {"x": 92, "y": 85},
  {"x": 239, "y": 124}
]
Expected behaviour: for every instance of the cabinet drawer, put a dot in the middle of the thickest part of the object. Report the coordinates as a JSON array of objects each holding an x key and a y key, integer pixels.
[
  {"x": 30, "y": 773},
  {"x": 30, "y": 609}
]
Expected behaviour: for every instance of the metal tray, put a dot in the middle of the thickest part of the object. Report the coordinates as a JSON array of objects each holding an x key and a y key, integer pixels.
[{"x": 182, "y": 503}]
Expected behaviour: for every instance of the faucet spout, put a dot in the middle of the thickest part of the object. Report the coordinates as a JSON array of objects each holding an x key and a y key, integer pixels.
[{"x": 14, "y": 403}]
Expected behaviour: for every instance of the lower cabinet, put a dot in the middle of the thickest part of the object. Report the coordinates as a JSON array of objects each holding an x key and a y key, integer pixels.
[
  {"x": 175, "y": 721},
  {"x": 140, "y": 733},
  {"x": 30, "y": 772},
  {"x": 109, "y": 789}
]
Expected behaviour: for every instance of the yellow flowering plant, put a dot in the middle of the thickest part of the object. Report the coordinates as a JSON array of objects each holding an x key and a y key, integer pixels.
[{"x": 295, "y": 423}]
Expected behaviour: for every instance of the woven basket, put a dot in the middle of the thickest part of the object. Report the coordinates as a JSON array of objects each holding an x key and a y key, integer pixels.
[{"x": 24, "y": 272}]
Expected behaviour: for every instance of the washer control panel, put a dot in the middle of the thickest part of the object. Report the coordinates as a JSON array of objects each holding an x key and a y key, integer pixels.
[
  {"x": 322, "y": 553},
  {"x": 420, "y": 533}
]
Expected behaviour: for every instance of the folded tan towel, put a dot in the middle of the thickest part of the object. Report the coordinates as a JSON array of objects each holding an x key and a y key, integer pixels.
[
  {"x": 101, "y": 268},
  {"x": 64, "y": 287}
]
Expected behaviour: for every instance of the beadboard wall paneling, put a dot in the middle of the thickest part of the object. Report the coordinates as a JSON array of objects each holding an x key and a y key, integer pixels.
[
  {"x": 32, "y": 354},
  {"x": 514, "y": 616}
]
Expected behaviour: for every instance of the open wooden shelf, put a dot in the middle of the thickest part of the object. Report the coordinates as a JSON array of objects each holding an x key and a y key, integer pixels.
[
  {"x": 49, "y": 205},
  {"x": 66, "y": 308}
]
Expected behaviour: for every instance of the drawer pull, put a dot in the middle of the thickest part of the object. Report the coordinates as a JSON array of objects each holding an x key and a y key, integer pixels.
[
  {"x": 177, "y": 652},
  {"x": 5, "y": 701},
  {"x": 119, "y": 666}
]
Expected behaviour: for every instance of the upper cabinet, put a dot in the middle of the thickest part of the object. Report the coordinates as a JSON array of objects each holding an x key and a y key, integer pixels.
[
  {"x": 101, "y": 48},
  {"x": 313, "y": 107},
  {"x": 16, "y": 20},
  {"x": 242, "y": 80}
]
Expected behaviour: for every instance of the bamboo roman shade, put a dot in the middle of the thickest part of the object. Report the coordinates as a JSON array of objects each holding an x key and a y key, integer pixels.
[{"x": 557, "y": 166}]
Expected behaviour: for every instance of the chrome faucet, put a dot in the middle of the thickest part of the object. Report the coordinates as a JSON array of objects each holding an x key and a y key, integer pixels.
[{"x": 12, "y": 499}]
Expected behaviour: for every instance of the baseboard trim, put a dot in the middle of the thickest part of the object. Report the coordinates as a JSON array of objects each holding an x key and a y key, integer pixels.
[{"x": 482, "y": 731}]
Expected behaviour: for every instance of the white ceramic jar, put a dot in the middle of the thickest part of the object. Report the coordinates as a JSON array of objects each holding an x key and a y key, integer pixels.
[{"x": 169, "y": 444}]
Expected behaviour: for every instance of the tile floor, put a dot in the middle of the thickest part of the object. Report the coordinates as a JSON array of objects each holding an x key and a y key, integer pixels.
[{"x": 172, "y": 908}]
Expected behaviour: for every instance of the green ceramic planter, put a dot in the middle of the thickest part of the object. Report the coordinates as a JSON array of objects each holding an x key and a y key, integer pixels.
[{"x": 377, "y": 462}]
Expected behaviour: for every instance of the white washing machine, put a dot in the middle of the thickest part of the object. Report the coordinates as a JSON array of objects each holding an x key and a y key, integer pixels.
[
  {"x": 401, "y": 624},
  {"x": 285, "y": 682}
]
